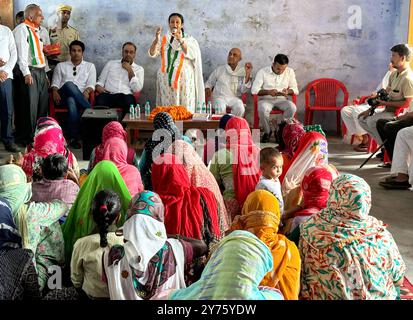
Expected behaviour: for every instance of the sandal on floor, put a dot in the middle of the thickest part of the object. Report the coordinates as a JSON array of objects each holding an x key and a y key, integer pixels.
[{"x": 361, "y": 148}]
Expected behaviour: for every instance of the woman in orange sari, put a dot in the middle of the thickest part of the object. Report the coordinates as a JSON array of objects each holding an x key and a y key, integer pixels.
[{"x": 261, "y": 216}]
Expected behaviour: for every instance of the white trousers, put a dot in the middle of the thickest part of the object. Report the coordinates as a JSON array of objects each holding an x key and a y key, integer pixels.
[
  {"x": 235, "y": 103},
  {"x": 403, "y": 153},
  {"x": 369, "y": 123},
  {"x": 349, "y": 115},
  {"x": 266, "y": 105}
]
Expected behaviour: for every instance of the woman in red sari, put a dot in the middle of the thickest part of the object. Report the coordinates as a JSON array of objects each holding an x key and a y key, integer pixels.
[{"x": 189, "y": 211}]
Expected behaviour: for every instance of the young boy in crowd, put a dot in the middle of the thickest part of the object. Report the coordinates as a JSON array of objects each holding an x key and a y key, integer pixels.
[
  {"x": 271, "y": 164},
  {"x": 57, "y": 182}
]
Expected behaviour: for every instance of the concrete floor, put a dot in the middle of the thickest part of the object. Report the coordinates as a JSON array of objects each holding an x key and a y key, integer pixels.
[{"x": 394, "y": 208}]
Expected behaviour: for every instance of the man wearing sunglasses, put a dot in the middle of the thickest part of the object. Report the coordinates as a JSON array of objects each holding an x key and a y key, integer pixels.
[{"x": 73, "y": 82}]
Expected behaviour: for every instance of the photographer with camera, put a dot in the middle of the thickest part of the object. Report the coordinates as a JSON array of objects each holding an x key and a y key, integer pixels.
[
  {"x": 400, "y": 93},
  {"x": 349, "y": 115}
]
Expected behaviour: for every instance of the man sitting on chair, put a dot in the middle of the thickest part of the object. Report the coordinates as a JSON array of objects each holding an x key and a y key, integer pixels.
[
  {"x": 73, "y": 81},
  {"x": 273, "y": 85},
  {"x": 229, "y": 82},
  {"x": 119, "y": 80}
]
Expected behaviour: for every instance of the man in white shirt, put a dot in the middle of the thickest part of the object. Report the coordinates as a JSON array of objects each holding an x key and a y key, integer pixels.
[
  {"x": 73, "y": 82},
  {"x": 32, "y": 63},
  {"x": 119, "y": 80},
  {"x": 273, "y": 85},
  {"x": 229, "y": 82},
  {"x": 8, "y": 58}
]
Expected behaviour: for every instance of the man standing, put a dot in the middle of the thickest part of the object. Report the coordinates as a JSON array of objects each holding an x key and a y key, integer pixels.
[
  {"x": 63, "y": 34},
  {"x": 73, "y": 82},
  {"x": 119, "y": 80},
  {"x": 8, "y": 58},
  {"x": 229, "y": 82},
  {"x": 273, "y": 85},
  {"x": 32, "y": 64},
  {"x": 400, "y": 92}
]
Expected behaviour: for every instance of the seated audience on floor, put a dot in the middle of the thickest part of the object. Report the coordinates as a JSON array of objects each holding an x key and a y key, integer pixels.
[
  {"x": 200, "y": 176},
  {"x": 56, "y": 182},
  {"x": 315, "y": 187},
  {"x": 38, "y": 222},
  {"x": 73, "y": 83},
  {"x": 79, "y": 222},
  {"x": 120, "y": 80},
  {"x": 218, "y": 141},
  {"x": 18, "y": 277},
  {"x": 400, "y": 91},
  {"x": 236, "y": 167},
  {"x": 151, "y": 260},
  {"x": 228, "y": 82},
  {"x": 116, "y": 150},
  {"x": 233, "y": 272},
  {"x": 189, "y": 211},
  {"x": 48, "y": 139},
  {"x": 349, "y": 115},
  {"x": 347, "y": 254},
  {"x": 113, "y": 129},
  {"x": 86, "y": 265},
  {"x": 290, "y": 133},
  {"x": 261, "y": 216},
  {"x": 401, "y": 167},
  {"x": 271, "y": 165},
  {"x": 273, "y": 85}
]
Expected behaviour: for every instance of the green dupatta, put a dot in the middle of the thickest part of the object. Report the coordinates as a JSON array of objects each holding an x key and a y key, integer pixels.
[{"x": 79, "y": 222}]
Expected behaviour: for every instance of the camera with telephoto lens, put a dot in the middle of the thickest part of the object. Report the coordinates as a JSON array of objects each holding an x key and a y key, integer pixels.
[{"x": 382, "y": 95}]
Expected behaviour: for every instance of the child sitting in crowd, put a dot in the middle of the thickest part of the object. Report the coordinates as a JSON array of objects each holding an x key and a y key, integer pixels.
[
  {"x": 57, "y": 182},
  {"x": 271, "y": 165}
]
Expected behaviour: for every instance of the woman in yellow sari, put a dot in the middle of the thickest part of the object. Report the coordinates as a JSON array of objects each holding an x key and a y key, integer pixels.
[{"x": 261, "y": 216}]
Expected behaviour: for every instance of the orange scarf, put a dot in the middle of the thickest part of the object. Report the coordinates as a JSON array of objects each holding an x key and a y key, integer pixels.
[{"x": 261, "y": 216}]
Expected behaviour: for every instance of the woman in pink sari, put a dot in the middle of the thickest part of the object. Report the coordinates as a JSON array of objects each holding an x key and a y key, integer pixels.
[
  {"x": 48, "y": 139},
  {"x": 116, "y": 151},
  {"x": 112, "y": 130},
  {"x": 200, "y": 176}
]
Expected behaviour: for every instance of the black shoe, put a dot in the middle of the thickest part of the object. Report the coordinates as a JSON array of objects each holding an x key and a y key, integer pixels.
[
  {"x": 395, "y": 185},
  {"x": 266, "y": 137},
  {"x": 380, "y": 155},
  {"x": 75, "y": 144},
  {"x": 11, "y": 147}
]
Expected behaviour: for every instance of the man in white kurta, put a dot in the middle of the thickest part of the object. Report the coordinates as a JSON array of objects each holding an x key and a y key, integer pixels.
[
  {"x": 273, "y": 84},
  {"x": 227, "y": 83}
]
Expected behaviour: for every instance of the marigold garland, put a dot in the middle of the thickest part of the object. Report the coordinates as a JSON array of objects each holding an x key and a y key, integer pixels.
[{"x": 176, "y": 112}]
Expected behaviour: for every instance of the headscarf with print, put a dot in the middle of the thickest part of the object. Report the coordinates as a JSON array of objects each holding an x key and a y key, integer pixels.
[
  {"x": 245, "y": 168},
  {"x": 189, "y": 211},
  {"x": 233, "y": 272},
  {"x": 261, "y": 216},
  {"x": 199, "y": 175},
  {"x": 146, "y": 257},
  {"x": 48, "y": 140},
  {"x": 315, "y": 187},
  {"x": 112, "y": 130},
  {"x": 291, "y": 136},
  {"x": 348, "y": 254}
]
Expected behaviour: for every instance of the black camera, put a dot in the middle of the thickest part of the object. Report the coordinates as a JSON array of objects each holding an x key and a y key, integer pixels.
[{"x": 381, "y": 95}]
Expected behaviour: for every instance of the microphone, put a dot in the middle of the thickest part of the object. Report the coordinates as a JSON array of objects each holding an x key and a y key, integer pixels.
[{"x": 174, "y": 30}]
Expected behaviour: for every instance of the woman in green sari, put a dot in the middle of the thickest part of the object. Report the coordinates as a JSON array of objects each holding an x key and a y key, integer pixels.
[{"x": 79, "y": 222}]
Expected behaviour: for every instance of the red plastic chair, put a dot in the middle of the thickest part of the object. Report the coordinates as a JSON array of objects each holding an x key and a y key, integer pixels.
[
  {"x": 274, "y": 111},
  {"x": 53, "y": 109},
  {"x": 325, "y": 98},
  {"x": 244, "y": 98}
]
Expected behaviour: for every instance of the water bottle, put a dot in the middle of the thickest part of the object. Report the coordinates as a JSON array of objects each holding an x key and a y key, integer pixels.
[
  {"x": 147, "y": 109},
  {"x": 209, "y": 107},
  {"x": 198, "y": 107},
  {"x": 217, "y": 109},
  {"x": 203, "y": 108},
  {"x": 138, "y": 111},
  {"x": 131, "y": 112}
]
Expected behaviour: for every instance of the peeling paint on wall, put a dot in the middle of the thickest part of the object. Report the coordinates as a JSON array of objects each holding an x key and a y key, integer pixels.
[{"x": 313, "y": 33}]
